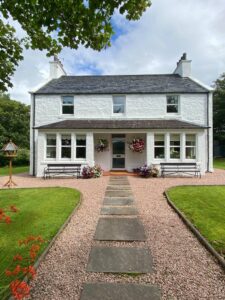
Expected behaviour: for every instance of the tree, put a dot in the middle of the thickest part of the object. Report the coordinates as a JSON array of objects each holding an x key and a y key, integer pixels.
[
  {"x": 219, "y": 109},
  {"x": 54, "y": 24},
  {"x": 14, "y": 123}
]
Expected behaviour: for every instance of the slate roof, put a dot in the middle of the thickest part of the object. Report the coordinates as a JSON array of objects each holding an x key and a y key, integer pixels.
[
  {"x": 121, "y": 124},
  {"x": 121, "y": 84}
]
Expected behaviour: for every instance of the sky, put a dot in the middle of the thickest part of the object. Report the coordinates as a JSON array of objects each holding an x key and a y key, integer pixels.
[{"x": 151, "y": 45}]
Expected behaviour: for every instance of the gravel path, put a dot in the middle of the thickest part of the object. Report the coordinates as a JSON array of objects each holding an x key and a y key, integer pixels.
[{"x": 183, "y": 268}]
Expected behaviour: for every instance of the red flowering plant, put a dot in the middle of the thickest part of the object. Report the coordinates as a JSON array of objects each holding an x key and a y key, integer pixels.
[
  {"x": 4, "y": 216},
  {"x": 22, "y": 266},
  {"x": 137, "y": 145}
]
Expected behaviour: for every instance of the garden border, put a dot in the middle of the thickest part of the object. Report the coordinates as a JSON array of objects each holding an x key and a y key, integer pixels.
[
  {"x": 193, "y": 229},
  {"x": 45, "y": 252}
]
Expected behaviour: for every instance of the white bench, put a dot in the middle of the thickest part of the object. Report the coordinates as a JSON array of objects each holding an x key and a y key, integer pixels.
[{"x": 176, "y": 168}]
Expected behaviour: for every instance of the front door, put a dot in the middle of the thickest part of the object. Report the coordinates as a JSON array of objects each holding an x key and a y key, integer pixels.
[{"x": 118, "y": 151}]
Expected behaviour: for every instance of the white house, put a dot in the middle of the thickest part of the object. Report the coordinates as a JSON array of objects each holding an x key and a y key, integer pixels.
[{"x": 172, "y": 113}]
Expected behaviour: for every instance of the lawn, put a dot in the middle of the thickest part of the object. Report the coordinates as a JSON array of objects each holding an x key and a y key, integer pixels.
[
  {"x": 4, "y": 171},
  {"x": 219, "y": 163},
  {"x": 42, "y": 211},
  {"x": 204, "y": 206}
]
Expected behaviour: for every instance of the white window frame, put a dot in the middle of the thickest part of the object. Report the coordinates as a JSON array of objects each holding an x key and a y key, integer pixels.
[
  {"x": 178, "y": 105},
  {"x": 66, "y": 146},
  {"x": 172, "y": 146},
  {"x": 80, "y": 146},
  {"x": 160, "y": 146},
  {"x": 50, "y": 146},
  {"x": 63, "y": 105},
  {"x": 124, "y": 100},
  {"x": 190, "y": 146}
]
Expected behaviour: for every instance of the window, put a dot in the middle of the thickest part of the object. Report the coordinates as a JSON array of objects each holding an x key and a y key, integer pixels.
[
  {"x": 118, "y": 104},
  {"x": 190, "y": 146},
  {"x": 80, "y": 146},
  {"x": 159, "y": 146},
  {"x": 51, "y": 146},
  {"x": 67, "y": 105},
  {"x": 172, "y": 104},
  {"x": 66, "y": 146},
  {"x": 175, "y": 146}
]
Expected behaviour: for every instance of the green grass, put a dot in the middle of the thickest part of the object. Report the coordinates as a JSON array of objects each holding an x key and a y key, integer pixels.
[
  {"x": 204, "y": 206},
  {"x": 219, "y": 163},
  {"x": 42, "y": 211},
  {"x": 4, "y": 171}
]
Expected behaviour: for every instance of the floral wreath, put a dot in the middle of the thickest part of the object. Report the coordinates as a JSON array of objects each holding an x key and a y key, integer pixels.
[
  {"x": 137, "y": 145},
  {"x": 102, "y": 145}
]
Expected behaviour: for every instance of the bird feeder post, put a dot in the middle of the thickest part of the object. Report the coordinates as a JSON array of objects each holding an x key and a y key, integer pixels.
[{"x": 10, "y": 151}]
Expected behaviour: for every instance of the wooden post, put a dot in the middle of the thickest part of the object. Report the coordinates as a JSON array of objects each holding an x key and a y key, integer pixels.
[{"x": 10, "y": 182}]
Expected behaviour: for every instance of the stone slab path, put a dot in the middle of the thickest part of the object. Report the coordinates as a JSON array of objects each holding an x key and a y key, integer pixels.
[
  {"x": 125, "y": 227},
  {"x": 116, "y": 291}
]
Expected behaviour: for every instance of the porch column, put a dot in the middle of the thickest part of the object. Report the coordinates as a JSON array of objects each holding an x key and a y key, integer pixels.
[
  {"x": 58, "y": 146},
  {"x": 90, "y": 148},
  {"x": 167, "y": 146},
  {"x": 182, "y": 146},
  {"x": 149, "y": 148}
]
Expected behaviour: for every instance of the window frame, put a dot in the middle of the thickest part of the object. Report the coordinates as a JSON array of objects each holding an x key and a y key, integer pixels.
[
  {"x": 65, "y": 146},
  {"x": 67, "y": 105},
  {"x": 50, "y": 146},
  {"x": 124, "y": 100},
  {"x": 178, "y": 104},
  {"x": 81, "y": 146},
  {"x": 190, "y": 146},
  {"x": 160, "y": 146},
  {"x": 175, "y": 146}
]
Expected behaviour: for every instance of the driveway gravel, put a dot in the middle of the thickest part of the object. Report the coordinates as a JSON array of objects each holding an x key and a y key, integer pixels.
[{"x": 183, "y": 269}]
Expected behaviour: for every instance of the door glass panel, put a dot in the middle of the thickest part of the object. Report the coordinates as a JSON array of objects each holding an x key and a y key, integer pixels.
[
  {"x": 118, "y": 145},
  {"x": 118, "y": 163}
]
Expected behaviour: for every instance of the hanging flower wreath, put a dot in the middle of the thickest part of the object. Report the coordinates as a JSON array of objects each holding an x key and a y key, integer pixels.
[
  {"x": 102, "y": 145},
  {"x": 137, "y": 145}
]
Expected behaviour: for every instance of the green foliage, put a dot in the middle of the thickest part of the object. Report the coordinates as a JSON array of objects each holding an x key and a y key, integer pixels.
[
  {"x": 42, "y": 211},
  {"x": 54, "y": 24},
  {"x": 14, "y": 122},
  {"x": 219, "y": 109},
  {"x": 10, "y": 54},
  {"x": 219, "y": 163},
  {"x": 4, "y": 171},
  {"x": 204, "y": 206}
]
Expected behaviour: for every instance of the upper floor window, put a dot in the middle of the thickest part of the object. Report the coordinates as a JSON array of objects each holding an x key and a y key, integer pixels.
[
  {"x": 67, "y": 105},
  {"x": 51, "y": 146},
  {"x": 118, "y": 104},
  {"x": 172, "y": 104}
]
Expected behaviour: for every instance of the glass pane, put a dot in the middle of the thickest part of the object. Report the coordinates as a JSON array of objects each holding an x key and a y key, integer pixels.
[
  {"x": 174, "y": 140},
  {"x": 66, "y": 152},
  {"x": 160, "y": 152},
  {"x": 174, "y": 152},
  {"x": 118, "y": 104},
  {"x": 81, "y": 140},
  {"x": 118, "y": 146},
  {"x": 190, "y": 153},
  {"x": 119, "y": 163},
  {"x": 159, "y": 139},
  {"x": 81, "y": 152},
  {"x": 172, "y": 108},
  {"x": 51, "y": 139},
  {"x": 67, "y": 99},
  {"x": 51, "y": 152},
  {"x": 68, "y": 110},
  {"x": 118, "y": 109},
  {"x": 118, "y": 99},
  {"x": 66, "y": 140},
  {"x": 172, "y": 99},
  {"x": 190, "y": 140}
]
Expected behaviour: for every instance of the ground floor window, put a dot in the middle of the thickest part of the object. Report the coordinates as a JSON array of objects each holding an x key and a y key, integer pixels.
[
  {"x": 66, "y": 146},
  {"x": 159, "y": 146},
  {"x": 175, "y": 146},
  {"x": 80, "y": 146},
  {"x": 51, "y": 146},
  {"x": 190, "y": 146}
]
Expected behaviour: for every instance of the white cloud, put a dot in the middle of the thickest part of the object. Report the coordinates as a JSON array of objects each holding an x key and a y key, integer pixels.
[{"x": 151, "y": 45}]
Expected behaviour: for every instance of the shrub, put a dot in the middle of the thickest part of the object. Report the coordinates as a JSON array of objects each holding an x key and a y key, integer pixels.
[
  {"x": 92, "y": 172},
  {"x": 147, "y": 171},
  {"x": 22, "y": 158}
]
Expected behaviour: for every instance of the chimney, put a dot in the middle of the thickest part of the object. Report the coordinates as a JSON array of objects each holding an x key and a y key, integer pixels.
[
  {"x": 183, "y": 66},
  {"x": 56, "y": 68}
]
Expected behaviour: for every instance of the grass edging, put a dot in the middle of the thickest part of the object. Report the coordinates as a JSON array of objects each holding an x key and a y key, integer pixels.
[
  {"x": 45, "y": 252},
  {"x": 199, "y": 236}
]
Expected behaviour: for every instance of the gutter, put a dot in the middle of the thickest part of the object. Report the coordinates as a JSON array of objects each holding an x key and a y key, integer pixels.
[
  {"x": 208, "y": 132},
  {"x": 34, "y": 157}
]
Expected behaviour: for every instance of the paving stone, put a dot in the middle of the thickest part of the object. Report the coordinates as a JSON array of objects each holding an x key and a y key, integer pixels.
[
  {"x": 115, "y": 291},
  {"x": 118, "y": 178},
  {"x": 118, "y": 187},
  {"x": 119, "y": 229},
  {"x": 116, "y": 201},
  {"x": 119, "y": 182},
  {"x": 119, "y": 210},
  {"x": 118, "y": 193},
  {"x": 119, "y": 260}
]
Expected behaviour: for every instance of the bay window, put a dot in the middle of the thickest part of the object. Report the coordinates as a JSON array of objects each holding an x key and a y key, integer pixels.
[
  {"x": 159, "y": 146},
  {"x": 80, "y": 146},
  {"x": 66, "y": 146},
  {"x": 51, "y": 146},
  {"x": 175, "y": 146},
  {"x": 190, "y": 146}
]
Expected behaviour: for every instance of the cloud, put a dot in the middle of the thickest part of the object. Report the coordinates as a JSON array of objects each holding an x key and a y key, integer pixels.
[{"x": 151, "y": 45}]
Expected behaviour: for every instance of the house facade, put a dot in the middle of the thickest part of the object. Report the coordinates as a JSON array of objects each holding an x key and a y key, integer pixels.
[{"x": 72, "y": 116}]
